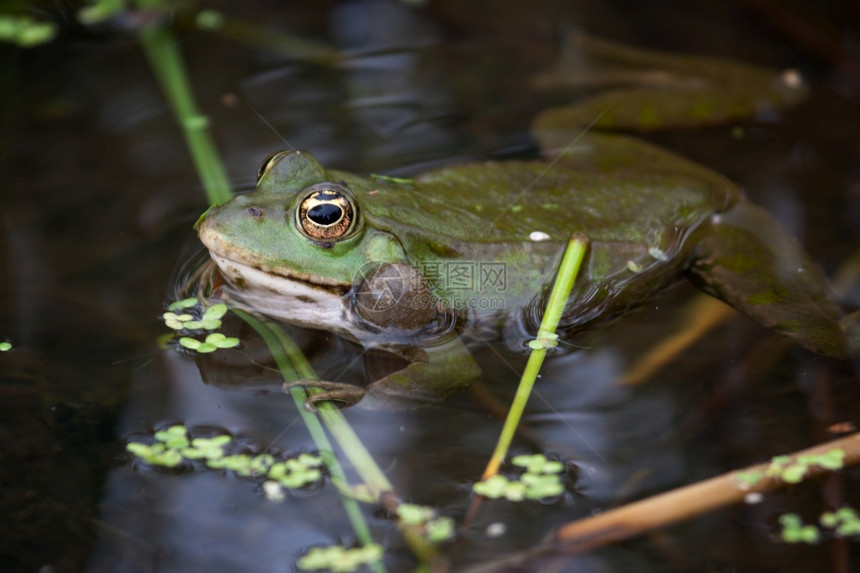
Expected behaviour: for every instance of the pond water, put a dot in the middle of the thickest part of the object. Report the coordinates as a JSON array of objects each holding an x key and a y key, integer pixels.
[{"x": 100, "y": 196}]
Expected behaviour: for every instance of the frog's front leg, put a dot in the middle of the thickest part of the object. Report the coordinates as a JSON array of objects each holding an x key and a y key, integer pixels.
[
  {"x": 434, "y": 371},
  {"x": 747, "y": 259},
  {"x": 341, "y": 393}
]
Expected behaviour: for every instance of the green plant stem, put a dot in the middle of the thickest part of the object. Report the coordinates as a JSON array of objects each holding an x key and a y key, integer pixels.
[
  {"x": 567, "y": 272},
  {"x": 333, "y": 419},
  {"x": 164, "y": 58},
  {"x": 293, "y": 365},
  {"x": 283, "y": 354}
]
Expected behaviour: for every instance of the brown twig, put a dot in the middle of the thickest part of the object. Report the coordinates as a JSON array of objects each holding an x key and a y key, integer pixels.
[
  {"x": 672, "y": 507},
  {"x": 686, "y": 502}
]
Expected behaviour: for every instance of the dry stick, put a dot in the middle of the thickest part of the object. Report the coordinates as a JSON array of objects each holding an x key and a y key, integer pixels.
[
  {"x": 686, "y": 502},
  {"x": 668, "y": 508}
]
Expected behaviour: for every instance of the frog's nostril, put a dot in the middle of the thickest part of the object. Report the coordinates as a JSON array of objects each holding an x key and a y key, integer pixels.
[{"x": 255, "y": 212}]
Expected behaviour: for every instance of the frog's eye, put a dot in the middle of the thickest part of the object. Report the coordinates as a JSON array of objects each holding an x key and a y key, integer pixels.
[
  {"x": 326, "y": 213},
  {"x": 270, "y": 160}
]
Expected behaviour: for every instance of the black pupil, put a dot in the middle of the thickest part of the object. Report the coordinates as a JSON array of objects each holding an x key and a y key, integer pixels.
[{"x": 325, "y": 214}]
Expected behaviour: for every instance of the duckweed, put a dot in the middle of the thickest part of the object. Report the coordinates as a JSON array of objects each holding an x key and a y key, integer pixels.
[
  {"x": 172, "y": 447},
  {"x": 794, "y": 531},
  {"x": 212, "y": 343},
  {"x": 843, "y": 521},
  {"x": 538, "y": 464},
  {"x": 436, "y": 528},
  {"x": 792, "y": 470},
  {"x": 188, "y": 315},
  {"x": 540, "y": 480},
  {"x": 338, "y": 558}
]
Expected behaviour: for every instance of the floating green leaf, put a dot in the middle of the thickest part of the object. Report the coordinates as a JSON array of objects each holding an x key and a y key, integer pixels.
[
  {"x": 176, "y": 321},
  {"x": 215, "y": 311},
  {"x": 156, "y": 454},
  {"x": 338, "y": 558},
  {"x": 412, "y": 514},
  {"x": 493, "y": 487},
  {"x": 184, "y": 303},
  {"x": 540, "y": 480},
  {"x": 190, "y": 343},
  {"x": 541, "y": 486},
  {"x": 792, "y": 470},
  {"x": 830, "y": 460},
  {"x": 5, "y": 346},
  {"x": 440, "y": 529},
  {"x": 538, "y": 464},
  {"x": 844, "y": 521},
  {"x": 437, "y": 529},
  {"x": 208, "y": 448},
  {"x": 749, "y": 478},
  {"x": 297, "y": 472},
  {"x": 794, "y": 473},
  {"x": 220, "y": 341},
  {"x": 173, "y": 437},
  {"x": 794, "y": 531},
  {"x": 210, "y": 319},
  {"x": 173, "y": 446}
]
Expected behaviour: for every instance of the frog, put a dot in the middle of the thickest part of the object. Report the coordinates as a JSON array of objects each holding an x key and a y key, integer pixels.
[{"x": 410, "y": 265}]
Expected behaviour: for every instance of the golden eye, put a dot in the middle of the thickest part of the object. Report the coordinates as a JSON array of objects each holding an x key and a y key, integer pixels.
[{"x": 327, "y": 212}]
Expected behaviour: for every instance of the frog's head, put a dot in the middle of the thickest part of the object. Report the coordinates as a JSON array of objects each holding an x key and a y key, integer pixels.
[{"x": 298, "y": 236}]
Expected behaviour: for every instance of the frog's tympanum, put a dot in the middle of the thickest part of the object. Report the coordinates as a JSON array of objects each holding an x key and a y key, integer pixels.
[{"x": 404, "y": 265}]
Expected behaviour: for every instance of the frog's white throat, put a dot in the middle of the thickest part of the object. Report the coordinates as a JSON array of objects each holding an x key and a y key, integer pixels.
[{"x": 280, "y": 297}]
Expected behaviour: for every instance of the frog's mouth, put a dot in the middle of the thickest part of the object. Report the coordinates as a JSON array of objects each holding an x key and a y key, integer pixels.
[
  {"x": 277, "y": 292},
  {"x": 292, "y": 299}
]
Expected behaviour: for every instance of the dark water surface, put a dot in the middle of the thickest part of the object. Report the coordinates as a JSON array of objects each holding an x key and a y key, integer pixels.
[{"x": 100, "y": 194}]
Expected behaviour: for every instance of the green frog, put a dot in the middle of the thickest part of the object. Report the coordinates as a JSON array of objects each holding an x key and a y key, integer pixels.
[{"x": 408, "y": 265}]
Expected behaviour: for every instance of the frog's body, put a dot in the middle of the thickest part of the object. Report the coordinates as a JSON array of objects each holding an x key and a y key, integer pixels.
[
  {"x": 396, "y": 263},
  {"x": 491, "y": 230}
]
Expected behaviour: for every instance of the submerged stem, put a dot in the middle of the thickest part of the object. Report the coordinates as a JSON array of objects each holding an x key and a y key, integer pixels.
[{"x": 284, "y": 356}]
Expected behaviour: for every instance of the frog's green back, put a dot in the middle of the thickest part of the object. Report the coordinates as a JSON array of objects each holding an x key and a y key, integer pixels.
[
  {"x": 507, "y": 202},
  {"x": 520, "y": 214}
]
